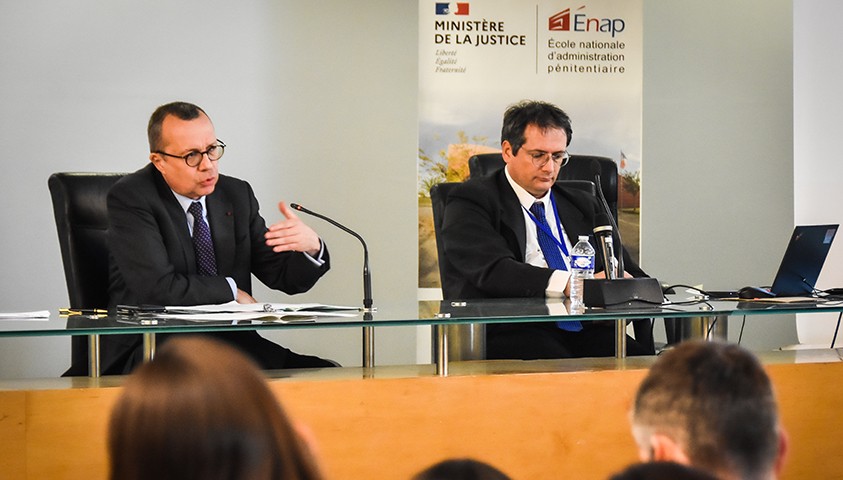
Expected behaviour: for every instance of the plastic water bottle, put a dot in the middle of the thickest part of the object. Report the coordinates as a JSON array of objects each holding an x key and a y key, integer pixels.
[{"x": 582, "y": 267}]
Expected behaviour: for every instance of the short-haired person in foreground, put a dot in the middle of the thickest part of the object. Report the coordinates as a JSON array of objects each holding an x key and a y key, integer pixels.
[
  {"x": 203, "y": 411},
  {"x": 181, "y": 233},
  {"x": 491, "y": 237},
  {"x": 710, "y": 405},
  {"x": 461, "y": 469}
]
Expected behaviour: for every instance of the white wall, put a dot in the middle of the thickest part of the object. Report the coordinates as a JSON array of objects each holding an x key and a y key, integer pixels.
[
  {"x": 717, "y": 182},
  {"x": 318, "y": 101},
  {"x": 818, "y": 171}
]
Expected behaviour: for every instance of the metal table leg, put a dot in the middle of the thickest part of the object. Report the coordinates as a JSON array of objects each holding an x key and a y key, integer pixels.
[
  {"x": 148, "y": 346},
  {"x": 717, "y": 327},
  {"x": 94, "y": 356},
  {"x": 368, "y": 347},
  {"x": 442, "y": 349},
  {"x": 620, "y": 339},
  {"x": 368, "y": 339},
  {"x": 707, "y": 328}
]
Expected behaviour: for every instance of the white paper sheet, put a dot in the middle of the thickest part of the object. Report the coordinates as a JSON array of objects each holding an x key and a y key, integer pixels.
[{"x": 35, "y": 315}]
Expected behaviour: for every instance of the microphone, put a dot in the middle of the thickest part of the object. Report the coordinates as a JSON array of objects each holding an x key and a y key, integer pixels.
[
  {"x": 603, "y": 235},
  {"x": 595, "y": 172},
  {"x": 367, "y": 277}
]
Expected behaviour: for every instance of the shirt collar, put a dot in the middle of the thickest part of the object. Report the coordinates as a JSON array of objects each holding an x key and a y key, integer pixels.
[
  {"x": 185, "y": 202},
  {"x": 525, "y": 198}
]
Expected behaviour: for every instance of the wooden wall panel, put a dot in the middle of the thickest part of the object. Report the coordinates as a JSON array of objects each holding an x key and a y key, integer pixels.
[
  {"x": 531, "y": 425},
  {"x": 12, "y": 435}
]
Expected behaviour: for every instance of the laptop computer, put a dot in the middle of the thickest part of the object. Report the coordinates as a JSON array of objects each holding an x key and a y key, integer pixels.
[
  {"x": 800, "y": 267},
  {"x": 803, "y": 260}
]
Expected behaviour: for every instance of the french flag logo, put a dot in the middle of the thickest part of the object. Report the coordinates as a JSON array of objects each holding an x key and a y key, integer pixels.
[{"x": 447, "y": 9}]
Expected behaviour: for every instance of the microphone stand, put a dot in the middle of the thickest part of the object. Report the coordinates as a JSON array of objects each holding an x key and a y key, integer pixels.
[
  {"x": 368, "y": 309},
  {"x": 603, "y": 235},
  {"x": 622, "y": 290},
  {"x": 620, "y": 325},
  {"x": 620, "y": 269}
]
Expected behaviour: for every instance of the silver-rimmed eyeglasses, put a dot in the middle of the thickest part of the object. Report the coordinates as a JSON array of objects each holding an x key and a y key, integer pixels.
[
  {"x": 540, "y": 158},
  {"x": 194, "y": 158}
]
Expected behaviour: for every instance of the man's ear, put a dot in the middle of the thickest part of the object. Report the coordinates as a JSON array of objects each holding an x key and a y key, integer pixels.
[
  {"x": 784, "y": 444},
  {"x": 665, "y": 449},
  {"x": 506, "y": 151},
  {"x": 157, "y": 160}
]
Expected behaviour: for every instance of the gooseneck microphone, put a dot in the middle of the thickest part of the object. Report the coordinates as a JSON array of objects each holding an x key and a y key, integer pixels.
[
  {"x": 595, "y": 172},
  {"x": 367, "y": 277},
  {"x": 603, "y": 235}
]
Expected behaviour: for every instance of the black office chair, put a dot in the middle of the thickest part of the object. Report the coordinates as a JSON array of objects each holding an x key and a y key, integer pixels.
[
  {"x": 438, "y": 196},
  {"x": 578, "y": 169},
  {"x": 465, "y": 341},
  {"x": 79, "y": 205}
]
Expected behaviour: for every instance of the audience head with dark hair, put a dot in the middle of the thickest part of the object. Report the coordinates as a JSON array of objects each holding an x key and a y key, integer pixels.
[
  {"x": 710, "y": 405},
  {"x": 202, "y": 410},
  {"x": 662, "y": 471},
  {"x": 461, "y": 469}
]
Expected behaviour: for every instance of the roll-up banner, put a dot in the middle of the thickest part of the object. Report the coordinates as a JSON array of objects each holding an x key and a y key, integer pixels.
[{"x": 476, "y": 58}]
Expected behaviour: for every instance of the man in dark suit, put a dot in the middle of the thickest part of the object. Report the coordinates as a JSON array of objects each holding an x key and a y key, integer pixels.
[
  {"x": 490, "y": 234},
  {"x": 182, "y": 234}
]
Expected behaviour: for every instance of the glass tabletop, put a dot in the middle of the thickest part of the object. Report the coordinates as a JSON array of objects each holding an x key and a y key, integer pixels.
[{"x": 403, "y": 314}]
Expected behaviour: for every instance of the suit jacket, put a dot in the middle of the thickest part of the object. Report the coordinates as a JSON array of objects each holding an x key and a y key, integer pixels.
[
  {"x": 484, "y": 235},
  {"x": 152, "y": 260}
]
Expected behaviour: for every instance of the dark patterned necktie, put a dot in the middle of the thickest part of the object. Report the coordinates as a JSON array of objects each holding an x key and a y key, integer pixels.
[
  {"x": 552, "y": 255},
  {"x": 206, "y": 261}
]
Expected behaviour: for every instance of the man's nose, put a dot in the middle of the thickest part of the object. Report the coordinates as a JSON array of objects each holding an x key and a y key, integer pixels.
[{"x": 206, "y": 163}]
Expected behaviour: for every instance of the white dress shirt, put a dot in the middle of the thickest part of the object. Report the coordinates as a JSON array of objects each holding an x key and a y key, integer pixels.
[{"x": 533, "y": 254}]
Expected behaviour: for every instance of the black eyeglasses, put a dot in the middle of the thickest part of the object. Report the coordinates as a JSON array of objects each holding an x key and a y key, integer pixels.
[
  {"x": 541, "y": 158},
  {"x": 193, "y": 159}
]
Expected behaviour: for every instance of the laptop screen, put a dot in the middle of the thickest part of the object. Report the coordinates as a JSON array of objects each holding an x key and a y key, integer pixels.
[{"x": 803, "y": 260}]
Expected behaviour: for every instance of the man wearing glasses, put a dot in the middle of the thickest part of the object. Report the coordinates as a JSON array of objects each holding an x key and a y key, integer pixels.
[
  {"x": 182, "y": 234},
  {"x": 491, "y": 231}
]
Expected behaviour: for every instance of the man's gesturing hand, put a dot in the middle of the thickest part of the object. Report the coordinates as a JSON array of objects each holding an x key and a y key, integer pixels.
[{"x": 292, "y": 234}]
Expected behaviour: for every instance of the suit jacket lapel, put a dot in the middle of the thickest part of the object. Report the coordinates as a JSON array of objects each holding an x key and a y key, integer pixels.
[
  {"x": 511, "y": 215},
  {"x": 177, "y": 217},
  {"x": 221, "y": 219}
]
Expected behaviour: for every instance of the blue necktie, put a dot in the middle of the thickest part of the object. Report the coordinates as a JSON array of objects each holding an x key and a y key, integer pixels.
[
  {"x": 552, "y": 255},
  {"x": 550, "y": 249},
  {"x": 206, "y": 261}
]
